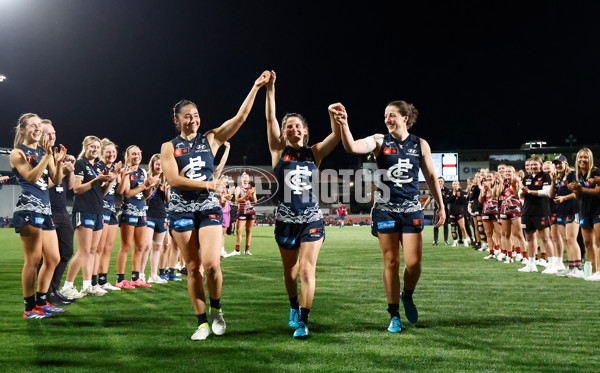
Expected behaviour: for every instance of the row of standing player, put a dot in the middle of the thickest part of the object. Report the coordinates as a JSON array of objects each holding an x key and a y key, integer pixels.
[
  {"x": 196, "y": 216},
  {"x": 550, "y": 201}
]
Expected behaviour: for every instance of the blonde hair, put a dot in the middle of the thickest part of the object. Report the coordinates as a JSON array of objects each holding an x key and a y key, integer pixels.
[
  {"x": 87, "y": 141},
  {"x": 103, "y": 144},
  {"x": 21, "y": 124},
  {"x": 560, "y": 175},
  {"x": 153, "y": 159},
  {"x": 126, "y": 159},
  {"x": 591, "y": 162}
]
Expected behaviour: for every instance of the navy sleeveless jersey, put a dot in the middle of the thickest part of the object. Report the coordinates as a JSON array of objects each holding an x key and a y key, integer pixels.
[
  {"x": 108, "y": 201},
  {"x": 136, "y": 205},
  {"x": 90, "y": 201},
  {"x": 156, "y": 203},
  {"x": 297, "y": 174},
  {"x": 398, "y": 164},
  {"x": 195, "y": 161},
  {"x": 34, "y": 197}
]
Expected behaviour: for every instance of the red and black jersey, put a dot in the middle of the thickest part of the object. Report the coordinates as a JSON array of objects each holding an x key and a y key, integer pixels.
[{"x": 534, "y": 205}]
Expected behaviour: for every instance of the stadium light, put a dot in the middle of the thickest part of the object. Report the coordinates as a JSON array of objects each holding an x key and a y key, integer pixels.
[{"x": 2, "y": 78}]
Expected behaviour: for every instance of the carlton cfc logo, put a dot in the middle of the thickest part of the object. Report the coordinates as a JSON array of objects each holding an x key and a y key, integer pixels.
[
  {"x": 396, "y": 173},
  {"x": 192, "y": 170},
  {"x": 298, "y": 179}
]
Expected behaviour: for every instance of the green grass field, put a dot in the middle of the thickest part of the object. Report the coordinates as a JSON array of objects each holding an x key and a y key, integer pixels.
[{"x": 475, "y": 315}]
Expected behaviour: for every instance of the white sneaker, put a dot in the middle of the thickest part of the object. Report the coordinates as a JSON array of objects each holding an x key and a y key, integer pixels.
[
  {"x": 98, "y": 289},
  {"x": 508, "y": 260},
  {"x": 467, "y": 242},
  {"x": 518, "y": 257},
  {"x": 143, "y": 276},
  {"x": 218, "y": 322},
  {"x": 500, "y": 257},
  {"x": 71, "y": 292},
  {"x": 223, "y": 253},
  {"x": 234, "y": 252},
  {"x": 156, "y": 280},
  {"x": 91, "y": 291},
  {"x": 594, "y": 277},
  {"x": 178, "y": 266},
  {"x": 560, "y": 265},
  {"x": 201, "y": 333},
  {"x": 528, "y": 268},
  {"x": 247, "y": 252},
  {"x": 484, "y": 247},
  {"x": 565, "y": 272},
  {"x": 542, "y": 262},
  {"x": 550, "y": 270},
  {"x": 491, "y": 256},
  {"x": 108, "y": 286},
  {"x": 575, "y": 273}
]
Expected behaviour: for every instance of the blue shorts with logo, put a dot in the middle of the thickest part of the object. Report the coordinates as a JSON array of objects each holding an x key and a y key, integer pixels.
[
  {"x": 391, "y": 222},
  {"x": 110, "y": 217},
  {"x": 134, "y": 221},
  {"x": 187, "y": 221},
  {"x": 564, "y": 220},
  {"x": 94, "y": 222},
  {"x": 589, "y": 221},
  {"x": 23, "y": 218},
  {"x": 158, "y": 224},
  {"x": 290, "y": 236}
]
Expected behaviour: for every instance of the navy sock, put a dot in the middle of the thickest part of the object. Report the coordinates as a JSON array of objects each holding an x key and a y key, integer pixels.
[
  {"x": 120, "y": 277},
  {"x": 393, "y": 310},
  {"x": 407, "y": 294},
  {"x": 135, "y": 275},
  {"x": 40, "y": 299},
  {"x": 304, "y": 315},
  {"x": 102, "y": 278},
  {"x": 29, "y": 303},
  {"x": 202, "y": 318},
  {"x": 94, "y": 280},
  {"x": 169, "y": 271},
  {"x": 294, "y": 303},
  {"x": 161, "y": 271},
  {"x": 215, "y": 303}
]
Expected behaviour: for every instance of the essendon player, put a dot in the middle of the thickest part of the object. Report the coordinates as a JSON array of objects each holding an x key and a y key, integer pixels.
[
  {"x": 245, "y": 197},
  {"x": 510, "y": 213},
  {"x": 489, "y": 199},
  {"x": 536, "y": 212}
]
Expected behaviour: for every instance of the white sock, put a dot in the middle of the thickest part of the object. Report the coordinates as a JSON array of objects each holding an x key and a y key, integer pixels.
[
  {"x": 87, "y": 283},
  {"x": 68, "y": 284},
  {"x": 531, "y": 261}
]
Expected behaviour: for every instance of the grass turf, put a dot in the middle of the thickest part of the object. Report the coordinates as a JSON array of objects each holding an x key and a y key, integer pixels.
[{"x": 474, "y": 315}]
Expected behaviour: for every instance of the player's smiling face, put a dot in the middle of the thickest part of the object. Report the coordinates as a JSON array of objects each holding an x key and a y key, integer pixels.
[
  {"x": 109, "y": 154},
  {"x": 535, "y": 167},
  {"x": 294, "y": 130},
  {"x": 93, "y": 150},
  {"x": 188, "y": 119},
  {"x": 393, "y": 119},
  {"x": 583, "y": 160},
  {"x": 135, "y": 156},
  {"x": 33, "y": 129}
]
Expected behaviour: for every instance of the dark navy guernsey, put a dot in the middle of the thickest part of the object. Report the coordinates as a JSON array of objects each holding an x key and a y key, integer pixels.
[
  {"x": 195, "y": 161},
  {"x": 34, "y": 196},
  {"x": 398, "y": 163},
  {"x": 136, "y": 205},
  {"x": 108, "y": 201},
  {"x": 296, "y": 173},
  {"x": 90, "y": 201}
]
